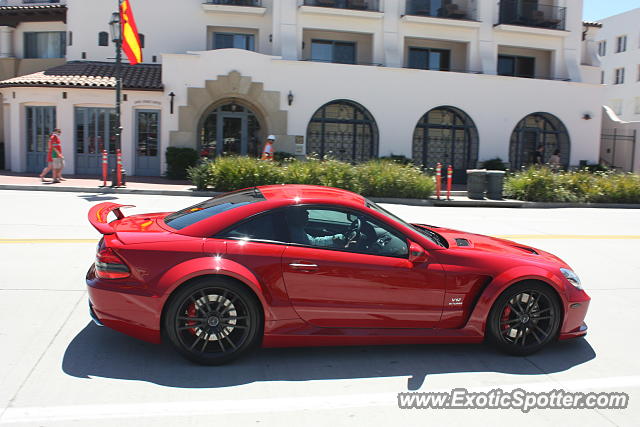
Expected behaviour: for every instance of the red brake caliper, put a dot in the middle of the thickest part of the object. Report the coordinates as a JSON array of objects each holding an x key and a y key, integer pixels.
[
  {"x": 505, "y": 316},
  {"x": 191, "y": 312}
]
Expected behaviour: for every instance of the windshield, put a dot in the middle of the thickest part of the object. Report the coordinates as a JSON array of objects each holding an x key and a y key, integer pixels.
[
  {"x": 211, "y": 207},
  {"x": 432, "y": 236}
]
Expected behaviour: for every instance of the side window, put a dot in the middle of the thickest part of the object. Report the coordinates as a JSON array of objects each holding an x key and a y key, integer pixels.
[
  {"x": 343, "y": 230},
  {"x": 267, "y": 227}
]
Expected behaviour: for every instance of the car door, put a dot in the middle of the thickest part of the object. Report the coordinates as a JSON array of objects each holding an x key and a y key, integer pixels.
[
  {"x": 359, "y": 286},
  {"x": 256, "y": 243}
]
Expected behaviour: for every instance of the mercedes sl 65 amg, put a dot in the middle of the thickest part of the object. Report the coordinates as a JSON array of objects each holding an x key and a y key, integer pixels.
[{"x": 296, "y": 265}]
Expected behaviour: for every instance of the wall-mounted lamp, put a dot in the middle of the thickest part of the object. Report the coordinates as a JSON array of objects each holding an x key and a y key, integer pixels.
[
  {"x": 586, "y": 116},
  {"x": 290, "y": 97},
  {"x": 172, "y": 96}
]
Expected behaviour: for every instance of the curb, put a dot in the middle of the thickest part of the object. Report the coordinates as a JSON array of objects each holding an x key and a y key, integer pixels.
[{"x": 512, "y": 204}]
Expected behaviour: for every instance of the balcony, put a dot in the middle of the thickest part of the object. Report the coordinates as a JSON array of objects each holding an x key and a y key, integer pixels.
[
  {"x": 529, "y": 13},
  {"x": 456, "y": 9},
  {"x": 243, "y": 7},
  {"x": 370, "y": 5},
  {"x": 251, "y": 3}
]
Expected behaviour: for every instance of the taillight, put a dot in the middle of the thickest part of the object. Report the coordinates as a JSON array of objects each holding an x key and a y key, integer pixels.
[{"x": 109, "y": 265}]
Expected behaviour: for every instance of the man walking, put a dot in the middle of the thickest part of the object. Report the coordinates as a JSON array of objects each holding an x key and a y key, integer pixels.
[
  {"x": 54, "y": 151},
  {"x": 268, "y": 150},
  {"x": 56, "y": 155}
]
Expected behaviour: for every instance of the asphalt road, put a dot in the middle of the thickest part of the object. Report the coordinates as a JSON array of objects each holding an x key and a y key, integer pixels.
[{"x": 58, "y": 369}]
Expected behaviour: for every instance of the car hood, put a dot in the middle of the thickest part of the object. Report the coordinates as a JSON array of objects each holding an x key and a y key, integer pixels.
[{"x": 464, "y": 241}]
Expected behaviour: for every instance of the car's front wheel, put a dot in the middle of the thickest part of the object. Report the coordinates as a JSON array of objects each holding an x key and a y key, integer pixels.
[
  {"x": 213, "y": 320},
  {"x": 525, "y": 318}
]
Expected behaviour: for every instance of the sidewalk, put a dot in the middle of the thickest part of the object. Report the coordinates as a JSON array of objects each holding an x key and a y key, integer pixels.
[{"x": 166, "y": 187}]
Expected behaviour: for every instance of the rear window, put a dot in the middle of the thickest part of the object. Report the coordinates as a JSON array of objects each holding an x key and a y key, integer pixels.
[{"x": 211, "y": 207}]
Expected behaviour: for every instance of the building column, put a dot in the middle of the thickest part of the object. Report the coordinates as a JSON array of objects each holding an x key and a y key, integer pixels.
[
  {"x": 391, "y": 51},
  {"x": 285, "y": 29},
  {"x": 128, "y": 139},
  {"x": 484, "y": 56},
  {"x": 65, "y": 116},
  {"x": 6, "y": 121},
  {"x": 18, "y": 149},
  {"x": 6, "y": 42}
]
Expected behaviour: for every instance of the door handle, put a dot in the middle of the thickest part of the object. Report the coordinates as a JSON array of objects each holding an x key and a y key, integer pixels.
[{"x": 303, "y": 266}]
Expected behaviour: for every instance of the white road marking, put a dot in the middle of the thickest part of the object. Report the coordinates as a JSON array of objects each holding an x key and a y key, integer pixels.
[{"x": 283, "y": 404}]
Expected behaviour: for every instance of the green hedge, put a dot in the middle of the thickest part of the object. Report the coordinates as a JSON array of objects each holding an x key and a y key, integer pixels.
[
  {"x": 540, "y": 184},
  {"x": 378, "y": 178},
  {"x": 179, "y": 160}
]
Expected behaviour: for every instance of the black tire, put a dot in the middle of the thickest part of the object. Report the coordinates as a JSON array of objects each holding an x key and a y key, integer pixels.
[
  {"x": 525, "y": 318},
  {"x": 213, "y": 320}
]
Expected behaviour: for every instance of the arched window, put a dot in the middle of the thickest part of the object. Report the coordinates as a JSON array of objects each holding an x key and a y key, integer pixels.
[
  {"x": 103, "y": 38},
  {"x": 539, "y": 131},
  {"x": 343, "y": 130},
  {"x": 446, "y": 135},
  {"x": 141, "y": 40}
]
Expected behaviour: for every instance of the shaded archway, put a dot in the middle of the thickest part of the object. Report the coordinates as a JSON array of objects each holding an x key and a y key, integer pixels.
[
  {"x": 539, "y": 130},
  {"x": 446, "y": 135},
  {"x": 343, "y": 130},
  {"x": 230, "y": 127}
]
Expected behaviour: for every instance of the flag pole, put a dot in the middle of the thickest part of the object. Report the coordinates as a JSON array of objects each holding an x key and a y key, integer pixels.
[{"x": 118, "y": 72}]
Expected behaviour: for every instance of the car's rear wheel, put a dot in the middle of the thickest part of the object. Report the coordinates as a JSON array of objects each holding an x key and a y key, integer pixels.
[
  {"x": 525, "y": 318},
  {"x": 213, "y": 320}
]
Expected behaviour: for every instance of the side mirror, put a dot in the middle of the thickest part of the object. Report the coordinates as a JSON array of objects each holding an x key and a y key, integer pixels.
[{"x": 417, "y": 253}]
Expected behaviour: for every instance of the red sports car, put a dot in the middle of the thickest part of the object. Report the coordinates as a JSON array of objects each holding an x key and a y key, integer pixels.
[{"x": 296, "y": 265}]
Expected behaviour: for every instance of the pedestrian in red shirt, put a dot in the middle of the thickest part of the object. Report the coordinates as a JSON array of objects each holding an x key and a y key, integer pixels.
[
  {"x": 56, "y": 155},
  {"x": 49, "y": 166}
]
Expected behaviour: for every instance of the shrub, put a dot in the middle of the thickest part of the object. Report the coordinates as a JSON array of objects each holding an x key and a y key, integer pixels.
[
  {"x": 376, "y": 178},
  {"x": 384, "y": 178},
  {"x": 495, "y": 164},
  {"x": 283, "y": 156},
  {"x": 230, "y": 173},
  {"x": 540, "y": 184},
  {"x": 200, "y": 174},
  {"x": 179, "y": 159}
]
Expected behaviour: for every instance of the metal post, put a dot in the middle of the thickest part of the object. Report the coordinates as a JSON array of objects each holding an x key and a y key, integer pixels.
[
  {"x": 118, "y": 76},
  {"x": 633, "y": 151}
]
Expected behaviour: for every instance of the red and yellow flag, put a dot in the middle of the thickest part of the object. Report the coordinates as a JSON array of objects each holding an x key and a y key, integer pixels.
[{"x": 130, "y": 38}]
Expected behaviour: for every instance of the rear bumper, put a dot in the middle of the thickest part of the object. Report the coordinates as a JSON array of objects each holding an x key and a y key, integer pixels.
[{"x": 126, "y": 310}]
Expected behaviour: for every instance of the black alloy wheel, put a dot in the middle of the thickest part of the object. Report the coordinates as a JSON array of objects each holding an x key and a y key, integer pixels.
[
  {"x": 525, "y": 318},
  {"x": 213, "y": 320}
]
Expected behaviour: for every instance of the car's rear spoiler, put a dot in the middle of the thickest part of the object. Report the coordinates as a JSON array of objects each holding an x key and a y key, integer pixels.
[{"x": 99, "y": 213}]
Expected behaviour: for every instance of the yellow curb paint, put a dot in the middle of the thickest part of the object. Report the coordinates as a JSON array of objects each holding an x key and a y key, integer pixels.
[
  {"x": 568, "y": 237},
  {"x": 46, "y": 241}
]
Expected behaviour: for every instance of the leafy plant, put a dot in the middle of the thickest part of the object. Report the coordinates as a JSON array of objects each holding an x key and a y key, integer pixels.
[
  {"x": 179, "y": 159},
  {"x": 495, "y": 164}
]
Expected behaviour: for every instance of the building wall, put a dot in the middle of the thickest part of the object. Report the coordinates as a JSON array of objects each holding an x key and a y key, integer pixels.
[
  {"x": 627, "y": 94},
  {"x": 283, "y": 25},
  {"x": 15, "y": 118},
  {"x": 495, "y": 103}
]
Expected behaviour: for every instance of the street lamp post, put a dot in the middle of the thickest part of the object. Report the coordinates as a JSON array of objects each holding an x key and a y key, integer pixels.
[{"x": 116, "y": 37}]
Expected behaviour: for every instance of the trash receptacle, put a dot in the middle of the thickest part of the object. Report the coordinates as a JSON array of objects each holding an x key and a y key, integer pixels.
[
  {"x": 495, "y": 184},
  {"x": 114, "y": 177},
  {"x": 476, "y": 183}
]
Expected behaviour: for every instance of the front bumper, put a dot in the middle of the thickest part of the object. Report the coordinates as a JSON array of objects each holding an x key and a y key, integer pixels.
[{"x": 116, "y": 305}]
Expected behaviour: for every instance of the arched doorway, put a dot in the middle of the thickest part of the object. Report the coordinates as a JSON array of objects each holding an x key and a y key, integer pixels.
[
  {"x": 343, "y": 130},
  {"x": 539, "y": 130},
  {"x": 230, "y": 129},
  {"x": 446, "y": 135}
]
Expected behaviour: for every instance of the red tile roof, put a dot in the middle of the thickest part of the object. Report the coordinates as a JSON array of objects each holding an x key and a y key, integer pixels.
[{"x": 93, "y": 75}]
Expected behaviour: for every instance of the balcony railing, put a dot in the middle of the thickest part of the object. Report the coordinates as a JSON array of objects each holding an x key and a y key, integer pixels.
[
  {"x": 371, "y": 5},
  {"x": 456, "y": 9},
  {"x": 254, "y": 3},
  {"x": 531, "y": 14}
]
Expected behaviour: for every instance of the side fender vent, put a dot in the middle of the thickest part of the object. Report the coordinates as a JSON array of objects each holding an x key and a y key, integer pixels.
[{"x": 462, "y": 242}]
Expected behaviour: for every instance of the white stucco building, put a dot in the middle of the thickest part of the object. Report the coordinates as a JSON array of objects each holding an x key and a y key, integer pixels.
[
  {"x": 450, "y": 81},
  {"x": 619, "y": 51}
]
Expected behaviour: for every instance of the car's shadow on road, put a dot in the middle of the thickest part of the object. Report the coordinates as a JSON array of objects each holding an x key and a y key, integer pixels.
[{"x": 101, "y": 352}]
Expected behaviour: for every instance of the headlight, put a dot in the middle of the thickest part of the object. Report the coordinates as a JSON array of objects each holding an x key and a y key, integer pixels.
[{"x": 571, "y": 277}]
